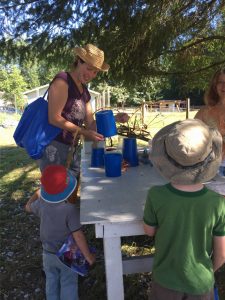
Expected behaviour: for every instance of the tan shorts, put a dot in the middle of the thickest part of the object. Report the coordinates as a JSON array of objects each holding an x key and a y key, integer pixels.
[
  {"x": 57, "y": 153},
  {"x": 160, "y": 293}
]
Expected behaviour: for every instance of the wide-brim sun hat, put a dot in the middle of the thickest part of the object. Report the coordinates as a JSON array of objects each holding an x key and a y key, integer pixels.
[
  {"x": 92, "y": 56},
  {"x": 187, "y": 152},
  {"x": 57, "y": 184}
]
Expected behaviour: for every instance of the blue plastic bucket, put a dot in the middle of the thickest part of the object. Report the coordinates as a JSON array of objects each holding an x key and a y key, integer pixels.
[
  {"x": 106, "y": 124},
  {"x": 97, "y": 157},
  {"x": 130, "y": 153},
  {"x": 113, "y": 164}
]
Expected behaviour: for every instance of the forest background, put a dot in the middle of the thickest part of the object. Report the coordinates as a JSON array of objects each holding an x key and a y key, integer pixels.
[{"x": 156, "y": 49}]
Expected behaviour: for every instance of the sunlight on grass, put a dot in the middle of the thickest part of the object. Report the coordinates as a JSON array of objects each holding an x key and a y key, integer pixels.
[
  {"x": 133, "y": 250},
  {"x": 30, "y": 174},
  {"x": 155, "y": 121},
  {"x": 19, "y": 175},
  {"x": 7, "y": 136}
]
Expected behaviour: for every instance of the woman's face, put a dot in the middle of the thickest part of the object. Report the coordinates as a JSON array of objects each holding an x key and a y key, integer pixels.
[
  {"x": 220, "y": 86},
  {"x": 86, "y": 72}
]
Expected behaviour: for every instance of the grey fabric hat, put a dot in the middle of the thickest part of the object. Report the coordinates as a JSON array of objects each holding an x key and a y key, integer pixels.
[{"x": 187, "y": 152}]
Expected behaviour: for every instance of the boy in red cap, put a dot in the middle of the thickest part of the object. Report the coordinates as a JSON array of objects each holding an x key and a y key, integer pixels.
[{"x": 59, "y": 218}]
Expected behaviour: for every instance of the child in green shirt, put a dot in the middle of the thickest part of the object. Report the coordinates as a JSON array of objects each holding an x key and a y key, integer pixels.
[{"x": 186, "y": 218}]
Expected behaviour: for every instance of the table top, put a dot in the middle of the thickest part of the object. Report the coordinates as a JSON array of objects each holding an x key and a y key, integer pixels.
[
  {"x": 121, "y": 199},
  {"x": 115, "y": 199}
]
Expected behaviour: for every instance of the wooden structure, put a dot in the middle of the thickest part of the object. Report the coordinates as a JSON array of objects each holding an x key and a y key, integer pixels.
[{"x": 166, "y": 105}]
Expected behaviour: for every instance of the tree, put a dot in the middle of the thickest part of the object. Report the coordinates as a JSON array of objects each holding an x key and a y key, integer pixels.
[
  {"x": 137, "y": 35},
  {"x": 13, "y": 86},
  {"x": 29, "y": 70},
  {"x": 156, "y": 49}
]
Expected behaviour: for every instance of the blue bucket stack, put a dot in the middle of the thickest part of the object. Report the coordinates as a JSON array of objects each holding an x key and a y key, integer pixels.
[
  {"x": 106, "y": 125},
  {"x": 130, "y": 153}
]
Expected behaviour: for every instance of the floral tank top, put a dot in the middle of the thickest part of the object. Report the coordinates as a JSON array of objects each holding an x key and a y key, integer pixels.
[{"x": 75, "y": 107}]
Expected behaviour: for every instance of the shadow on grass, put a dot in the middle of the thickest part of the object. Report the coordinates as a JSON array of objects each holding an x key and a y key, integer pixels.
[{"x": 19, "y": 173}]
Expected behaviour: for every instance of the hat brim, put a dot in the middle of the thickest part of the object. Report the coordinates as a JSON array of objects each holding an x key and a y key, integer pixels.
[
  {"x": 81, "y": 52},
  {"x": 60, "y": 197},
  {"x": 184, "y": 175}
]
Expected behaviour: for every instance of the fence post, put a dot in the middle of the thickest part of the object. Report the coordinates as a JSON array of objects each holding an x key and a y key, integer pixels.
[
  {"x": 15, "y": 103},
  {"x": 108, "y": 97},
  {"x": 187, "y": 107},
  {"x": 143, "y": 112},
  {"x": 103, "y": 99}
]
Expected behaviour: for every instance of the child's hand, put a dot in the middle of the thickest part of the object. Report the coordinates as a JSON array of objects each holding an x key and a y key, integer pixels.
[
  {"x": 33, "y": 198},
  {"x": 91, "y": 259},
  {"x": 73, "y": 248},
  {"x": 27, "y": 207}
]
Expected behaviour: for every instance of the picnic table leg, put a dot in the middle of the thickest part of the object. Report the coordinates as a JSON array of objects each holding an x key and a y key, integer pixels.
[{"x": 113, "y": 268}]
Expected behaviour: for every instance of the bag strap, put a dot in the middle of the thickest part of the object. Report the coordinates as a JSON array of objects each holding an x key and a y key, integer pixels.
[
  {"x": 70, "y": 153},
  {"x": 46, "y": 92}
]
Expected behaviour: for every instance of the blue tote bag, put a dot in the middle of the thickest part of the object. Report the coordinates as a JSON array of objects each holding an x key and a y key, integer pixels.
[{"x": 34, "y": 133}]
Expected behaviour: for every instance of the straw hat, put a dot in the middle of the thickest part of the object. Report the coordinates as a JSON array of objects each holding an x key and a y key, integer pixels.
[
  {"x": 93, "y": 56},
  {"x": 57, "y": 184},
  {"x": 187, "y": 152}
]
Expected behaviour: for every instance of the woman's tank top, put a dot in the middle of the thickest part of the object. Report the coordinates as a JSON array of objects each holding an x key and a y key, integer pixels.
[{"x": 75, "y": 107}]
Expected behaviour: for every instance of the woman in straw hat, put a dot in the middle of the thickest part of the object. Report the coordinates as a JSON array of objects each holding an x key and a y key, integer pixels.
[{"x": 70, "y": 108}]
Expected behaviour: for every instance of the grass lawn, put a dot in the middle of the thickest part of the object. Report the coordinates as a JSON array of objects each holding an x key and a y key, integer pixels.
[{"x": 20, "y": 248}]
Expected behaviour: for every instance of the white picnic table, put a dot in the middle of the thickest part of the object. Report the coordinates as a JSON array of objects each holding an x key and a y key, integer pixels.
[{"x": 115, "y": 207}]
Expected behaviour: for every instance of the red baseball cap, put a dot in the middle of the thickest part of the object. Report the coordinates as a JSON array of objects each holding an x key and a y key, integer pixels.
[{"x": 57, "y": 184}]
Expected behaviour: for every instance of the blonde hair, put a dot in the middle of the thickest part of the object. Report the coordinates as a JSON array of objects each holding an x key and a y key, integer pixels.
[{"x": 211, "y": 97}]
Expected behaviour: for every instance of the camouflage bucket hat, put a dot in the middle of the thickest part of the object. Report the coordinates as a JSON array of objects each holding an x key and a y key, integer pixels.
[{"x": 187, "y": 152}]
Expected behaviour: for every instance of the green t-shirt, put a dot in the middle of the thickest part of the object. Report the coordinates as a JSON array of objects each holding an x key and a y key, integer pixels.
[{"x": 186, "y": 223}]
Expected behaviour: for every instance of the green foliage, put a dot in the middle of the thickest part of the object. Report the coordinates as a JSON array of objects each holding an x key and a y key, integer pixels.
[
  {"x": 137, "y": 35},
  {"x": 155, "y": 49},
  {"x": 16, "y": 79},
  {"x": 12, "y": 84},
  {"x": 145, "y": 90},
  {"x": 29, "y": 70},
  {"x": 119, "y": 95}
]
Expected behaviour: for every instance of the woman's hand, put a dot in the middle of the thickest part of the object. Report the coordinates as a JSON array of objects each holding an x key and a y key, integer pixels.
[
  {"x": 122, "y": 117},
  {"x": 92, "y": 135}
]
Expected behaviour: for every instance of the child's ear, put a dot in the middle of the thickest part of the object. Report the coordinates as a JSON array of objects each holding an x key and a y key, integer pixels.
[{"x": 73, "y": 197}]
